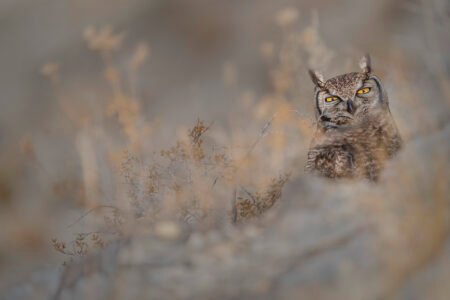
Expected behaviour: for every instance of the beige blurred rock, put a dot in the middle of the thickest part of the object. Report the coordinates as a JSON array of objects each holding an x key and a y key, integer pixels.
[{"x": 167, "y": 230}]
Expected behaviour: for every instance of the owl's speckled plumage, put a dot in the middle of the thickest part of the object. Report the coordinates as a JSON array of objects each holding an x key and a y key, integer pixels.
[
  {"x": 344, "y": 85},
  {"x": 356, "y": 132}
]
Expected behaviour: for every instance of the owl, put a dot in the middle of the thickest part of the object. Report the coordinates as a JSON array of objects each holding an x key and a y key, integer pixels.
[{"x": 356, "y": 133}]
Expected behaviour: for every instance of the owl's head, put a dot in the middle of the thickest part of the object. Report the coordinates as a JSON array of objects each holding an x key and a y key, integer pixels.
[{"x": 348, "y": 98}]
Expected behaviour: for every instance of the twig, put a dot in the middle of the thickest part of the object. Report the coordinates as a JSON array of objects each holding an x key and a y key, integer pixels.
[
  {"x": 90, "y": 211},
  {"x": 234, "y": 207},
  {"x": 249, "y": 194}
]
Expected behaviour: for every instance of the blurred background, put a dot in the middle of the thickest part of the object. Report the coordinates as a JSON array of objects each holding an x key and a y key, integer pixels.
[{"x": 92, "y": 87}]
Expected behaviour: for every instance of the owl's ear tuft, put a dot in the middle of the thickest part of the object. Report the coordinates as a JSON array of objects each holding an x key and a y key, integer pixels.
[
  {"x": 365, "y": 64},
  {"x": 316, "y": 78}
]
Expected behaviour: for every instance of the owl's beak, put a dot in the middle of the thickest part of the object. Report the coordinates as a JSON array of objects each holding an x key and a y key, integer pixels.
[{"x": 350, "y": 106}]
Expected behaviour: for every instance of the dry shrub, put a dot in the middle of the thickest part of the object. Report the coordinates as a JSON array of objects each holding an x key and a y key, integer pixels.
[
  {"x": 190, "y": 182},
  {"x": 249, "y": 205},
  {"x": 202, "y": 181}
]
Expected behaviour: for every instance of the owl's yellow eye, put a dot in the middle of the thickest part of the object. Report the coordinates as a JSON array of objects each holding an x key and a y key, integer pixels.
[
  {"x": 363, "y": 91},
  {"x": 331, "y": 99}
]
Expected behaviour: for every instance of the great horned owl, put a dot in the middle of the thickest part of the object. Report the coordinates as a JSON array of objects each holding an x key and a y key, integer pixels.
[{"x": 355, "y": 132}]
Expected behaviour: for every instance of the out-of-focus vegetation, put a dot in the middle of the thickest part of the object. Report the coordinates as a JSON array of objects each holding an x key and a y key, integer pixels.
[{"x": 155, "y": 149}]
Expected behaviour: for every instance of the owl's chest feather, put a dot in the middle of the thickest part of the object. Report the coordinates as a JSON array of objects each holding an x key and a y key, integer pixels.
[{"x": 357, "y": 153}]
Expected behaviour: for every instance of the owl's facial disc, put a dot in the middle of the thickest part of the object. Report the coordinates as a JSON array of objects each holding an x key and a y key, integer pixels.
[
  {"x": 368, "y": 97},
  {"x": 333, "y": 109},
  {"x": 346, "y": 98}
]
